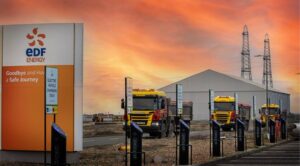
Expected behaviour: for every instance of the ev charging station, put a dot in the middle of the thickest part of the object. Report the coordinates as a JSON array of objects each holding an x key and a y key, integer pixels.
[
  {"x": 272, "y": 124},
  {"x": 258, "y": 137},
  {"x": 216, "y": 139},
  {"x": 184, "y": 146},
  {"x": 136, "y": 145},
  {"x": 240, "y": 135},
  {"x": 283, "y": 129}
]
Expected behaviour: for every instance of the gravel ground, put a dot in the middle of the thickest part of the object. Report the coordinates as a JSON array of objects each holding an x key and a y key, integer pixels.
[{"x": 102, "y": 129}]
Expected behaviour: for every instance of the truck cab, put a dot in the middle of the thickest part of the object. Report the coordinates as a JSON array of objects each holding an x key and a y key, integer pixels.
[
  {"x": 224, "y": 112},
  {"x": 273, "y": 113},
  {"x": 150, "y": 112}
]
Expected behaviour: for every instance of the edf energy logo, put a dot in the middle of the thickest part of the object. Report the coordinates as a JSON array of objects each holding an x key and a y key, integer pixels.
[{"x": 36, "y": 43}]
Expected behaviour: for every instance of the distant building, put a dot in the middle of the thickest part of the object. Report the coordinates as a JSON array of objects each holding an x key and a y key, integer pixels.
[
  {"x": 102, "y": 117},
  {"x": 87, "y": 118},
  {"x": 196, "y": 87}
]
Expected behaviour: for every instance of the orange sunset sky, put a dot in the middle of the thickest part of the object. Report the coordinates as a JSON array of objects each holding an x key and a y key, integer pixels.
[{"x": 158, "y": 42}]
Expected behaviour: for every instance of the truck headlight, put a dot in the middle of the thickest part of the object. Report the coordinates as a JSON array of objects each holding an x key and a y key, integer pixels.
[{"x": 155, "y": 124}]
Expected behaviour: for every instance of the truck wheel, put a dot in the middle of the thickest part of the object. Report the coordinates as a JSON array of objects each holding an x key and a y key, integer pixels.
[
  {"x": 246, "y": 125},
  {"x": 170, "y": 131},
  {"x": 163, "y": 131}
]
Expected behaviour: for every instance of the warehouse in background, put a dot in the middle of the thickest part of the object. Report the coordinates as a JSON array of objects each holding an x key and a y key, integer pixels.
[{"x": 195, "y": 89}]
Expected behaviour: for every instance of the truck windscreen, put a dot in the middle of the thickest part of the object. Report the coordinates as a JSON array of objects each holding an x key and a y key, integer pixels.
[
  {"x": 224, "y": 106},
  {"x": 145, "y": 103},
  {"x": 272, "y": 111}
]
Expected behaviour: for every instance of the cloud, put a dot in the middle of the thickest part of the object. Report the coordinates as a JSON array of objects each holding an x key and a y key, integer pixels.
[{"x": 159, "y": 42}]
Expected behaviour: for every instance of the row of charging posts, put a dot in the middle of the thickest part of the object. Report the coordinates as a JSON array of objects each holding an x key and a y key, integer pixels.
[
  {"x": 136, "y": 133},
  {"x": 216, "y": 140},
  {"x": 240, "y": 131},
  {"x": 136, "y": 145},
  {"x": 272, "y": 123}
]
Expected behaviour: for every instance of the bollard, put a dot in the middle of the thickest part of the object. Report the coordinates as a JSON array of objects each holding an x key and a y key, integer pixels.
[
  {"x": 136, "y": 145},
  {"x": 240, "y": 135},
  {"x": 277, "y": 129},
  {"x": 184, "y": 143},
  {"x": 283, "y": 128},
  {"x": 58, "y": 146},
  {"x": 272, "y": 130},
  {"x": 216, "y": 138},
  {"x": 176, "y": 118},
  {"x": 257, "y": 132}
]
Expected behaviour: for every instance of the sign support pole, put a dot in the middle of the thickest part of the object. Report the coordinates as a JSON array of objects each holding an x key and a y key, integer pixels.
[
  {"x": 176, "y": 124},
  {"x": 236, "y": 105},
  {"x": 128, "y": 107},
  {"x": 254, "y": 107},
  {"x": 45, "y": 120},
  {"x": 50, "y": 100},
  {"x": 126, "y": 116},
  {"x": 209, "y": 119},
  {"x": 179, "y": 109}
]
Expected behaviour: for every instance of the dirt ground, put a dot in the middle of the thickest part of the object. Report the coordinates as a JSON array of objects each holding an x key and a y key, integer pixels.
[
  {"x": 102, "y": 129},
  {"x": 199, "y": 125}
]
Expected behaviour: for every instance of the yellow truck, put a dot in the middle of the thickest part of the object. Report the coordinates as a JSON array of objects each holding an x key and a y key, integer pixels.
[
  {"x": 224, "y": 112},
  {"x": 273, "y": 113},
  {"x": 155, "y": 113},
  {"x": 150, "y": 111}
]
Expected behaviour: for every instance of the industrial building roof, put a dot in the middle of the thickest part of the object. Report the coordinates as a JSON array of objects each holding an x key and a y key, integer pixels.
[{"x": 205, "y": 77}]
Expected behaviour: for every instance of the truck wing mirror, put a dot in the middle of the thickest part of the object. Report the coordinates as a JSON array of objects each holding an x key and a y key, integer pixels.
[
  {"x": 122, "y": 104},
  {"x": 259, "y": 111}
]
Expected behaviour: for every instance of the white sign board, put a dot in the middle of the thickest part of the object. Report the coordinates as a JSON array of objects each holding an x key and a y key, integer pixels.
[
  {"x": 129, "y": 98},
  {"x": 236, "y": 104},
  {"x": 179, "y": 98},
  {"x": 280, "y": 105},
  {"x": 37, "y": 44},
  {"x": 254, "y": 108},
  {"x": 211, "y": 100},
  {"x": 51, "y": 85}
]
